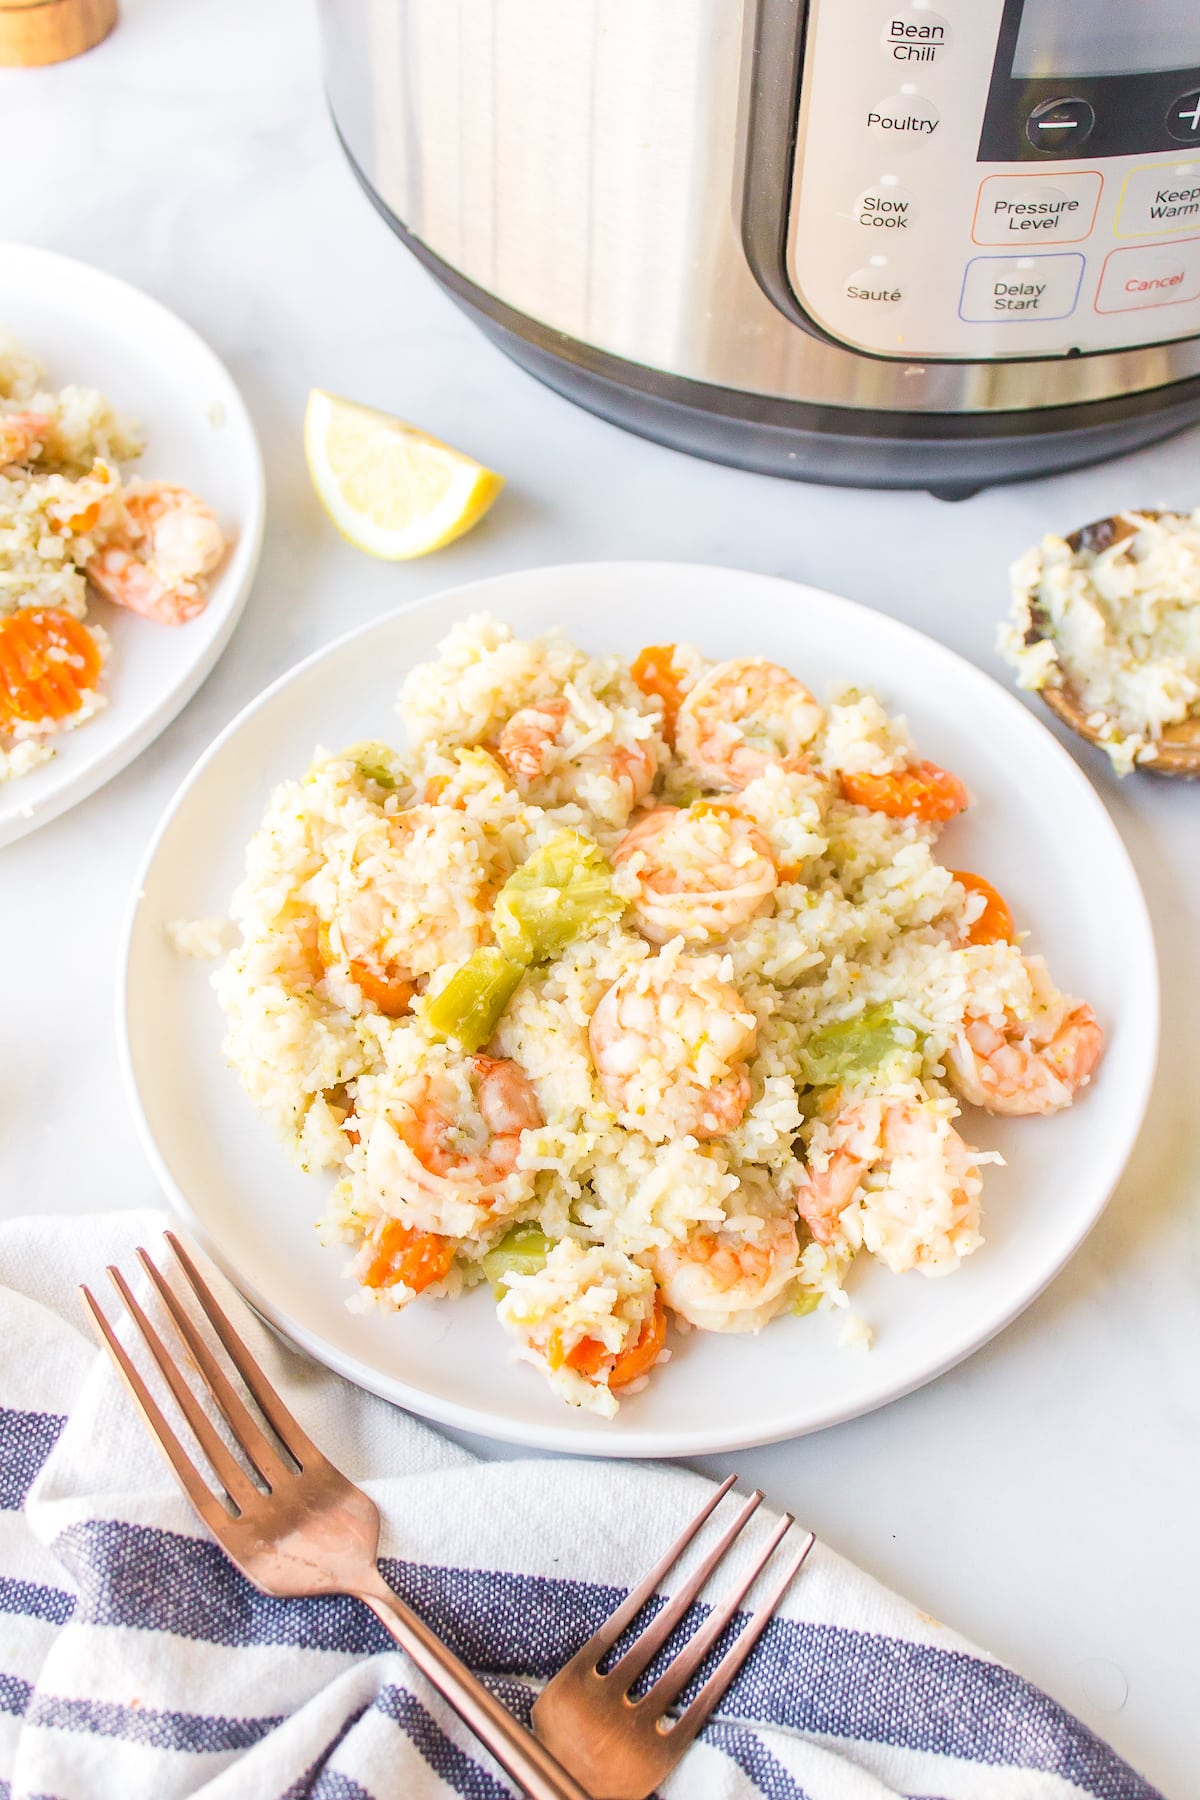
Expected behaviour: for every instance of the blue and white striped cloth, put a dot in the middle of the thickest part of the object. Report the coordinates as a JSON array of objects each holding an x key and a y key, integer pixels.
[{"x": 135, "y": 1662}]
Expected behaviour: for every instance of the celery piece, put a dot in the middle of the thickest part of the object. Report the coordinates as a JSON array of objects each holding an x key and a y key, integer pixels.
[
  {"x": 521, "y": 1251},
  {"x": 563, "y": 890},
  {"x": 804, "y": 1301},
  {"x": 375, "y": 762},
  {"x": 467, "y": 1010},
  {"x": 872, "y": 1046}
]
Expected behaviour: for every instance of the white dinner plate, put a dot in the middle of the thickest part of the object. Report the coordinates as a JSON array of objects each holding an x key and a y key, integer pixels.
[
  {"x": 89, "y": 328},
  {"x": 1038, "y": 830}
]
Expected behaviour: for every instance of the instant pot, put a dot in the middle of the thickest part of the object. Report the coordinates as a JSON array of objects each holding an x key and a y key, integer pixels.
[{"x": 882, "y": 246}]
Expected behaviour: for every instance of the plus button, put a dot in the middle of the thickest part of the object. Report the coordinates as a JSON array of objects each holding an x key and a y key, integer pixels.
[{"x": 1183, "y": 118}]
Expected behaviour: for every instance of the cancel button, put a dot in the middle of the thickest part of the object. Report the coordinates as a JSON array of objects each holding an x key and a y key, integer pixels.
[{"x": 875, "y": 286}]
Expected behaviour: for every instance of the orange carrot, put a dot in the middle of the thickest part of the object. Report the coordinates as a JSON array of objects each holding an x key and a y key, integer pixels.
[
  {"x": 995, "y": 923},
  {"x": 48, "y": 662},
  {"x": 920, "y": 791}
]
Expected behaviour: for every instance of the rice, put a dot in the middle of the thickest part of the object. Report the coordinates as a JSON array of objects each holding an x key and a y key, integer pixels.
[
  {"x": 1118, "y": 619},
  {"x": 597, "y": 1162}
]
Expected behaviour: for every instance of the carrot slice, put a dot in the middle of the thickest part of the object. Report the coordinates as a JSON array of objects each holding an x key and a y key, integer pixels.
[
  {"x": 653, "y": 670},
  {"x": 402, "y": 1253},
  {"x": 589, "y": 1356},
  {"x": 920, "y": 791},
  {"x": 48, "y": 663},
  {"x": 391, "y": 993},
  {"x": 995, "y": 923}
]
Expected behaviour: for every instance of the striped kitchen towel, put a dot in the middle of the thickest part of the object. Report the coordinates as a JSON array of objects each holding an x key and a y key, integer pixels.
[{"x": 135, "y": 1662}]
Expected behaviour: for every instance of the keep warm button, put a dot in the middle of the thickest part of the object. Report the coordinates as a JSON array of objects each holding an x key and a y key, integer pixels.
[
  {"x": 1020, "y": 287},
  {"x": 1158, "y": 275}
]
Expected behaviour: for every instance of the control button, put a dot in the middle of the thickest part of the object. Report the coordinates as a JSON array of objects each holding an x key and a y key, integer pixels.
[
  {"x": 1020, "y": 287},
  {"x": 875, "y": 285},
  {"x": 885, "y": 206},
  {"x": 1159, "y": 199},
  {"x": 911, "y": 36},
  {"x": 903, "y": 120},
  {"x": 1183, "y": 117},
  {"x": 1154, "y": 275},
  {"x": 1025, "y": 209},
  {"x": 1060, "y": 126}
]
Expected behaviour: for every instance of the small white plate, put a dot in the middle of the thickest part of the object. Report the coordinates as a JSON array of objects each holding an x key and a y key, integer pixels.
[
  {"x": 91, "y": 329},
  {"x": 1038, "y": 830}
]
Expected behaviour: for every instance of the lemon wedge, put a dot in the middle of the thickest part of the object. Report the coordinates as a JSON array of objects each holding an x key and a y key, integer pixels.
[{"x": 392, "y": 490}]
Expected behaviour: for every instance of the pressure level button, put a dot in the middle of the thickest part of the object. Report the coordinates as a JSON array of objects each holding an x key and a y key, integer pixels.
[
  {"x": 914, "y": 38},
  {"x": 903, "y": 121},
  {"x": 1060, "y": 126},
  {"x": 885, "y": 208}
]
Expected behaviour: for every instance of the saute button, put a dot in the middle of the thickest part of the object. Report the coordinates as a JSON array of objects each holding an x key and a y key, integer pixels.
[
  {"x": 912, "y": 36},
  {"x": 1006, "y": 288},
  {"x": 1159, "y": 275},
  {"x": 885, "y": 207},
  {"x": 1025, "y": 210},
  {"x": 1159, "y": 199},
  {"x": 903, "y": 120},
  {"x": 875, "y": 285},
  {"x": 1060, "y": 126}
]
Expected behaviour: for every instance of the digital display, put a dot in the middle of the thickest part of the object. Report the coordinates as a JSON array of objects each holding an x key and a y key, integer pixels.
[{"x": 1106, "y": 37}]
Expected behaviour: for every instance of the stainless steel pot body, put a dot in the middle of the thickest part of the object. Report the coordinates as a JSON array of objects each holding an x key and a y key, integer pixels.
[{"x": 576, "y": 171}]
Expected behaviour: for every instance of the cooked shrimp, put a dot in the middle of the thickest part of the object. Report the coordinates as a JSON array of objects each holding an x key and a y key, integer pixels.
[
  {"x": 742, "y": 717},
  {"x": 385, "y": 931},
  {"x": 563, "y": 749},
  {"x": 729, "y": 1280},
  {"x": 670, "y": 1042},
  {"x": 156, "y": 561},
  {"x": 21, "y": 433},
  {"x": 700, "y": 871},
  {"x": 443, "y": 1157},
  {"x": 912, "y": 1183},
  {"x": 1036, "y": 1064},
  {"x": 920, "y": 790}
]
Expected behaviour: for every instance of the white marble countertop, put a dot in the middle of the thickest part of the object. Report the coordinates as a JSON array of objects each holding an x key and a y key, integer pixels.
[{"x": 1043, "y": 1497}]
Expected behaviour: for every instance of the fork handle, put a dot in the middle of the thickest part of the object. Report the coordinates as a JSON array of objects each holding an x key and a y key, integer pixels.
[{"x": 529, "y": 1763}]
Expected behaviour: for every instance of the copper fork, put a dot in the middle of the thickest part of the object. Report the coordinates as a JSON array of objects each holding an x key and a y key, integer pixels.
[
  {"x": 619, "y": 1746},
  {"x": 296, "y": 1525}
]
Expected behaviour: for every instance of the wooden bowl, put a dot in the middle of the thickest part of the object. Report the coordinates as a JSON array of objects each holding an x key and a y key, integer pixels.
[{"x": 1179, "y": 745}]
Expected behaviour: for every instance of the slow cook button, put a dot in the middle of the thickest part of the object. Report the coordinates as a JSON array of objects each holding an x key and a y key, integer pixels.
[
  {"x": 903, "y": 120},
  {"x": 885, "y": 206},
  {"x": 1162, "y": 275},
  {"x": 1020, "y": 287},
  {"x": 1159, "y": 199},
  {"x": 914, "y": 36},
  {"x": 875, "y": 286},
  {"x": 1025, "y": 210}
]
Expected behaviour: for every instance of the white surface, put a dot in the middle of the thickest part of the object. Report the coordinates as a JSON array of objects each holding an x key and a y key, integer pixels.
[
  {"x": 717, "y": 1393},
  {"x": 88, "y": 329},
  {"x": 1042, "y": 1497}
]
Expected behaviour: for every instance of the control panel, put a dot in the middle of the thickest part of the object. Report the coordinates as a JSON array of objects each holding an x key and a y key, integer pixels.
[{"x": 944, "y": 201}]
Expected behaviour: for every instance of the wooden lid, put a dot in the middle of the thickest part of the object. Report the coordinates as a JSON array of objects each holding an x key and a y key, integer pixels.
[{"x": 36, "y": 32}]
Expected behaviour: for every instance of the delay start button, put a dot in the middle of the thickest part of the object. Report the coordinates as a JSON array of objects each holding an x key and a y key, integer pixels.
[
  {"x": 1006, "y": 288},
  {"x": 885, "y": 207},
  {"x": 913, "y": 36}
]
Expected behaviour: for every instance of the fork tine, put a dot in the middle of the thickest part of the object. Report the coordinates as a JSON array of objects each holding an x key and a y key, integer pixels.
[
  {"x": 603, "y": 1640},
  {"x": 228, "y": 1470},
  {"x": 294, "y": 1439},
  {"x": 694, "y": 1716},
  {"x": 663, "y": 1624},
  {"x": 674, "y": 1679},
  {"x": 190, "y": 1479},
  {"x": 248, "y": 1433}
]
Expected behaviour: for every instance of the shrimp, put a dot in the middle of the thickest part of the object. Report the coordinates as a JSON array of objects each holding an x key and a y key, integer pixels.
[
  {"x": 21, "y": 433},
  {"x": 670, "y": 1042},
  {"x": 742, "y": 717},
  {"x": 384, "y": 932},
  {"x": 920, "y": 790},
  {"x": 895, "y": 1176},
  {"x": 727, "y": 1280},
  {"x": 562, "y": 749},
  {"x": 699, "y": 872},
  {"x": 155, "y": 562},
  {"x": 443, "y": 1156},
  {"x": 1035, "y": 1064}
]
